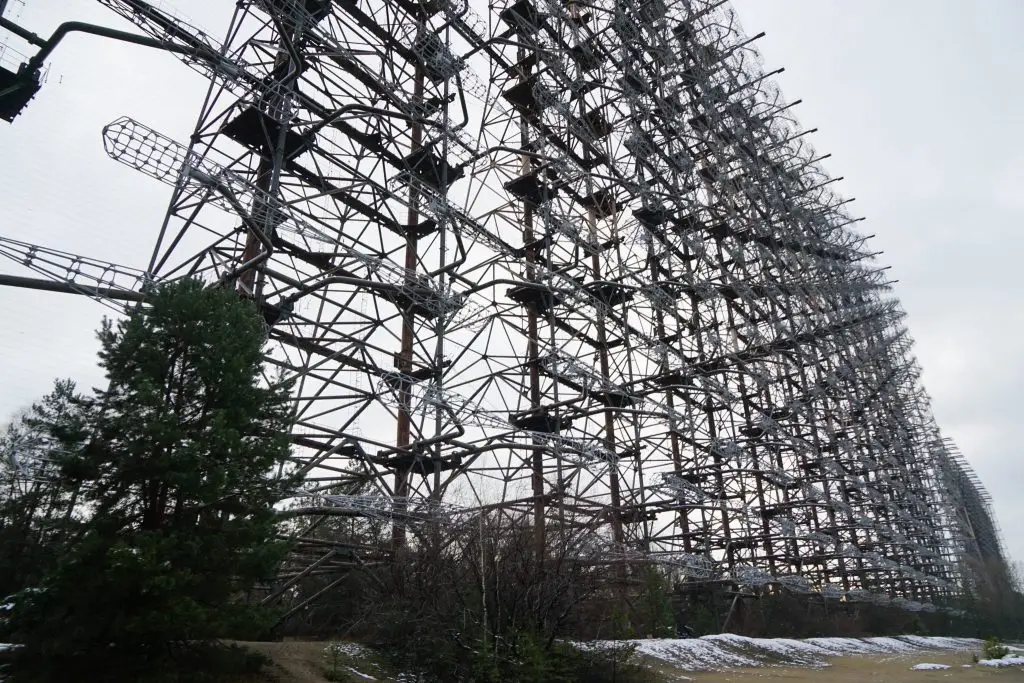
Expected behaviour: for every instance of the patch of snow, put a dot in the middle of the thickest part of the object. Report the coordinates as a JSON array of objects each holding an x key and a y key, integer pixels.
[
  {"x": 890, "y": 644},
  {"x": 1005, "y": 661},
  {"x": 842, "y": 646},
  {"x": 800, "y": 651},
  {"x": 927, "y": 666},
  {"x": 6, "y": 647},
  {"x": 350, "y": 649},
  {"x": 360, "y": 674},
  {"x": 694, "y": 653},
  {"x": 730, "y": 650},
  {"x": 940, "y": 643}
]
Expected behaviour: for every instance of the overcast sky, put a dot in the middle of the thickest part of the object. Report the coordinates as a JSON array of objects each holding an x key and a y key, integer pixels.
[{"x": 920, "y": 103}]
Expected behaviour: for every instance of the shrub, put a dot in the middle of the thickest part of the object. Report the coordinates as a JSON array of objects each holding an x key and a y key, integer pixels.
[
  {"x": 993, "y": 649},
  {"x": 334, "y": 657}
]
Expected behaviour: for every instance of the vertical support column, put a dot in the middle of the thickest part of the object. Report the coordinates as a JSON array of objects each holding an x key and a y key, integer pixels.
[
  {"x": 609, "y": 411},
  {"x": 665, "y": 370},
  {"x": 403, "y": 360},
  {"x": 533, "y": 333},
  {"x": 268, "y": 175}
]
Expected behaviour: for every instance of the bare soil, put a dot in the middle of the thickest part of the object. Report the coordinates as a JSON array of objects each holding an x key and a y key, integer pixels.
[
  {"x": 869, "y": 668},
  {"x": 292, "y": 661},
  {"x": 303, "y": 662}
]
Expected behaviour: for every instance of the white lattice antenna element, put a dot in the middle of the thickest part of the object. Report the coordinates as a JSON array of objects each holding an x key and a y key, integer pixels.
[{"x": 397, "y": 508}]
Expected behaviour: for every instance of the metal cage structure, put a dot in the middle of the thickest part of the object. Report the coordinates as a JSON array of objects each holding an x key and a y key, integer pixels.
[{"x": 576, "y": 261}]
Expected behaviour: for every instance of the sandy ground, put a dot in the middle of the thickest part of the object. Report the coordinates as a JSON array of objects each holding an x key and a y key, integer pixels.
[
  {"x": 871, "y": 668},
  {"x": 293, "y": 661},
  {"x": 302, "y": 662}
]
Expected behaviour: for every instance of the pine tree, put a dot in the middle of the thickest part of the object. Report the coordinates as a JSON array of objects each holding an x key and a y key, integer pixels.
[
  {"x": 185, "y": 457},
  {"x": 34, "y": 505}
]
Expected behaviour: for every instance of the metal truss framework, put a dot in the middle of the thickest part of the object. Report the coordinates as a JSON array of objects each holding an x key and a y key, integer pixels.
[{"x": 576, "y": 261}]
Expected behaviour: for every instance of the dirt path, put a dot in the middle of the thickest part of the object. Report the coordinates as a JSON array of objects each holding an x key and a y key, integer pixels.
[{"x": 293, "y": 661}]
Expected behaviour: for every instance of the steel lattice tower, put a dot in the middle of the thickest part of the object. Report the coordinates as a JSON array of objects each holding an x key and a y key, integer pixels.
[{"x": 575, "y": 261}]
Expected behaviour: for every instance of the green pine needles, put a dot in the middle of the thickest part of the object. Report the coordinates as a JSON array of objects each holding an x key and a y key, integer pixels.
[{"x": 174, "y": 480}]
